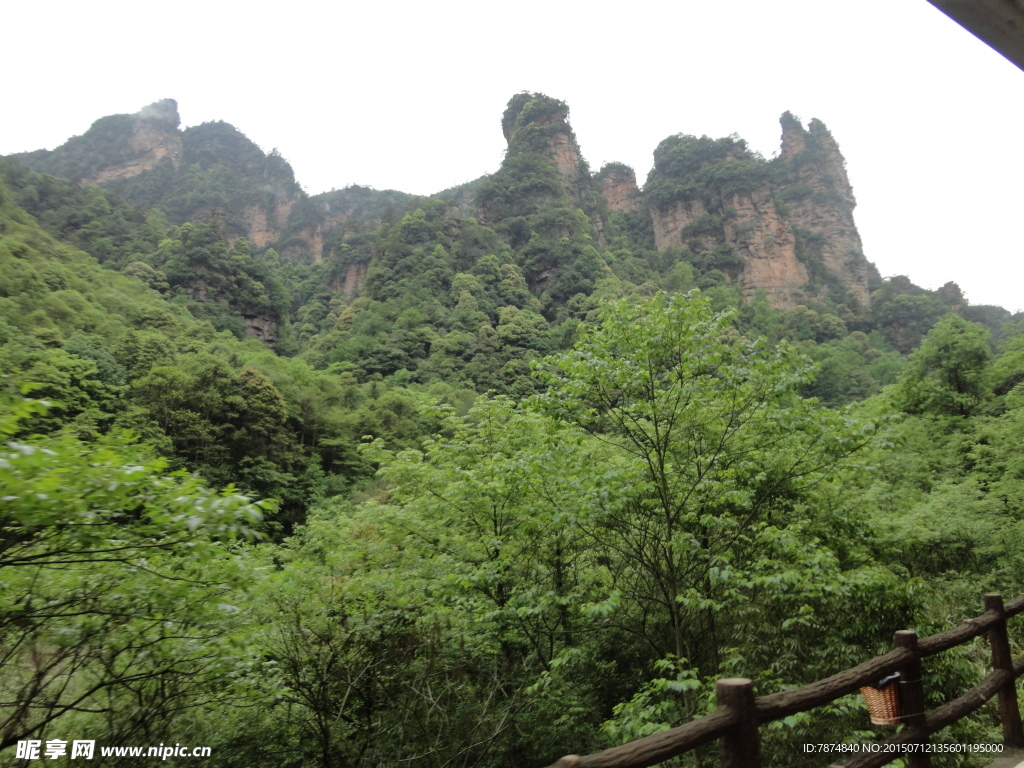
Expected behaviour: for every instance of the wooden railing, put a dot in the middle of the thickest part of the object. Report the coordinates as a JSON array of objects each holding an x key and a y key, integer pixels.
[{"x": 735, "y": 723}]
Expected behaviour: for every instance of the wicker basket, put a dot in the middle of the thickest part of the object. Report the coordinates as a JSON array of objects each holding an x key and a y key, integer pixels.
[{"x": 883, "y": 700}]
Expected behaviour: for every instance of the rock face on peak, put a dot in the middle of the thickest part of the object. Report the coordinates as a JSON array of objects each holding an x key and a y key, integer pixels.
[
  {"x": 784, "y": 227},
  {"x": 154, "y": 137},
  {"x": 618, "y": 186},
  {"x": 117, "y": 146},
  {"x": 148, "y": 145},
  {"x": 794, "y": 137},
  {"x": 821, "y": 203},
  {"x": 537, "y": 123},
  {"x": 812, "y": 157},
  {"x": 543, "y": 202}
]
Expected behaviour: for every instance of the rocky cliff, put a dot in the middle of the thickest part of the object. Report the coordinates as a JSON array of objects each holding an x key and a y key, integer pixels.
[
  {"x": 265, "y": 221},
  {"x": 783, "y": 227},
  {"x": 534, "y": 123},
  {"x": 150, "y": 143},
  {"x": 543, "y": 200},
  {"x": 820, "y": 205},
  {"x": 617, "y": 183}
]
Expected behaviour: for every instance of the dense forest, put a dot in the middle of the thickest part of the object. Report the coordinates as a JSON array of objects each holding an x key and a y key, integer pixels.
[{"x": 479, "y": 479}]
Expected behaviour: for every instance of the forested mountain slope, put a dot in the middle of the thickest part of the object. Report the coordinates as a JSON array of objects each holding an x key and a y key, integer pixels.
[{"x": 543, "y": 455}]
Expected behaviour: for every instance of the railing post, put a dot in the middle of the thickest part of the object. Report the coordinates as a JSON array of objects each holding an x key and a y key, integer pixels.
[
  {"x": 741, "y": 746},
  {"x": 912, "y": 700},
  {"x": 1009, "y": 710}
]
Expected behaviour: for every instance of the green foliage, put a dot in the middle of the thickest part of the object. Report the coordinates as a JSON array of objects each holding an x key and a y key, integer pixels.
[
  {"x": 530, "y": 119},
  {"x": 88, "y": 217},
  {"x": 106, "y": 142},
  {"x": 809, "y": 246},
  {"x": 526, "y": 184},
  {"x": 532, "y": 204},
  {"x": 108, "y": 351},
  {"x": 112, "y": 572},
  {"x": 947, "y": 373},
  {"x": 703, "y": 226},
  {"x": 688, "y": 168},
  {"x": 671, "y": 458},
  {"x": 905, "y": 312},
  {"x": 713, "y": 453},
  {"x": 366, "y": 207},
  {"x": 850, "y": 369},
  {"x": 199, "y": 266},
  {"x": 1008, "y": 370}
]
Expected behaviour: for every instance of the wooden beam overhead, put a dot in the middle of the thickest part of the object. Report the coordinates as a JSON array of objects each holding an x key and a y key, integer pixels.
[{"x": 999, "y": 23}]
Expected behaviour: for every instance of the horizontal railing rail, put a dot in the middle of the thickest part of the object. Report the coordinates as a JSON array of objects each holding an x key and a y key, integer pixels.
[{"x": 735, "y": 723}]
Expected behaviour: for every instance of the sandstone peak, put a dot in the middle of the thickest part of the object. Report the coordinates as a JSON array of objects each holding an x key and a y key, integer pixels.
[
  {"x": 617, "y": 182},
  {"x": 539, "y": 124},
  {"x": 784, "y": 227},
  {"x": 151, "y": 137},
  {"x": 526, "y": 108},
  {"x": 794, "y": 137}
]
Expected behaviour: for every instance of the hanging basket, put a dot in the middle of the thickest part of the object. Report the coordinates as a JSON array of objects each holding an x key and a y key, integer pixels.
[{"x": 883, "y": 700}]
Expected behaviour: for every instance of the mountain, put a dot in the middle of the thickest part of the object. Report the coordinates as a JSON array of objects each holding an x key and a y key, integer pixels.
[
  {"x": 210, "y": 171},
  {"x": 784, "y": 226},
  {"x": 471, "y": 285}
]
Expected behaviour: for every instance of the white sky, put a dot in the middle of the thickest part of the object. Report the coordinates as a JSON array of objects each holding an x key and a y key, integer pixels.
[{"x": 409, "y": 95}]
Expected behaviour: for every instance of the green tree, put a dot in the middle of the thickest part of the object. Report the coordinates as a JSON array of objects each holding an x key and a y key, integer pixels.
[
  {"x": 712, "y": 460},
  {"x": 947, "y": 374},
  {"x": 481, "y": 520},
  {"x": 113, "y": 582},
  {"x": 262, "y": 416}
]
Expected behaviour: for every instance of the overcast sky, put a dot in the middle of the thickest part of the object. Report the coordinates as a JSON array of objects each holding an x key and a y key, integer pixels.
[{"x": 409, "y": 96}]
